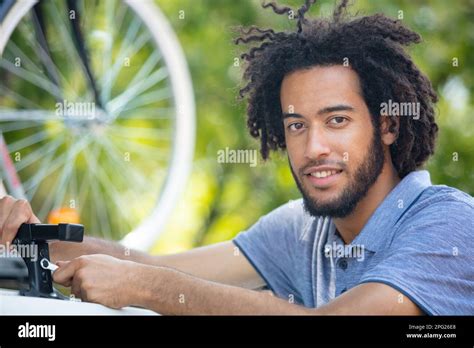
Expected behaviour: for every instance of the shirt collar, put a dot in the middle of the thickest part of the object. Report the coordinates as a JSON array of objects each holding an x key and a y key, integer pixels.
[{"x": 379, "y": 227}]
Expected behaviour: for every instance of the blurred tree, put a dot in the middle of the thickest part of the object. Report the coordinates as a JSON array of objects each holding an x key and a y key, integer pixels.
[
  {"x": 231, "y": 197},
  {"x": 223, "y": 199}
]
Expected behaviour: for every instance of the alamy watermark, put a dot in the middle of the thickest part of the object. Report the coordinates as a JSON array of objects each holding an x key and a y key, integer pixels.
[
  {"x": 23, "y": 250},
  {"x": 78, "y": 110},
  {"x": 228, "y": 155},
  {"x": 400, "y": 109},
  {"x": 344, "y": 251},
  {"x": 28, "y": 330}
]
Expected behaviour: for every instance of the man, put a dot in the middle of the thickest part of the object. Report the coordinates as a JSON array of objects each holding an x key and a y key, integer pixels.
[{"x": 371, "y": 234}]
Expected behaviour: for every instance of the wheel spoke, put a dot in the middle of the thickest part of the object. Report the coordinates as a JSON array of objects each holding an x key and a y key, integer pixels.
[
  {"x": 148, "y": 113},
  {"x": 67, "y": 38},
  {"x": 111, "y": 74},
  {"x": 73, "y": 187},
  {"x": 20, "y": 125},
  {"x": 65, "y": 174},
  {"x": 28, "y": 141},
  {"x": 125, "y": 170},
  {"x": 109, "y": 189},
  {"x": 84, "y": 190},
  {"x": 33, "y": 78},
  {"x": 98, "y": 200},
  {"x": 28, "y": 115},
  {"x": 33, "y": 183},
  {"x": 17, "y": 52},
  {"x": 132, "y": 92},
  {"x": 109, "y": 19},
  {"x": 126, "y": 49},
  {"x": 24, "y": 102},
  {"x": 140, "y": 132},
  {"x": 49, "y": 63},
  {"x": 145, "y": 151},
  {"x": 39, "y": 153},
  {"x": 70, "y": 154},
  {"x": 149, "y": 98},
  {"x": 51, "y": 167},
  {"x": 145, "y": 70}
]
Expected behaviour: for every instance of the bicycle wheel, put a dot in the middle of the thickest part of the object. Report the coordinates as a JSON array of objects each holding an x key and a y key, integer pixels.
[{"x": 97, "y": 110}]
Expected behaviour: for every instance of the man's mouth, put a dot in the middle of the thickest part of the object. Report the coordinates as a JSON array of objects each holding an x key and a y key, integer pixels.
[{"x": 323, "y": 178}]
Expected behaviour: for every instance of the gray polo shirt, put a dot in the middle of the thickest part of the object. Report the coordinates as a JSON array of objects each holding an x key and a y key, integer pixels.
[{"x": 418, "y": 241}]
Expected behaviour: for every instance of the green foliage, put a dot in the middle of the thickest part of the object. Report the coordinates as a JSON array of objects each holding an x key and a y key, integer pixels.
[
  {"x": 231, "y": 197},
  {"x": 221, "y": 200}
]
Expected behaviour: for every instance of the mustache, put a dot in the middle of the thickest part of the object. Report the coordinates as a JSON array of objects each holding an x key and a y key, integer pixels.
[{"x": 323, "y": 162}]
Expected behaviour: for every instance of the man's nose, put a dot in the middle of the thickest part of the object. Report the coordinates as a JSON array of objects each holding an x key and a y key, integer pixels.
[{"x": 317, "y": 144}]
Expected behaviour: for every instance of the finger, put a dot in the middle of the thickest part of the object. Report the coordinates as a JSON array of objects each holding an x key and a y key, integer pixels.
[
  {"x": 20, "y": 213},
  {"x": 60, "y": 264},
  {"x": 6, "y": 205},
  {"x": 33, "y": 219},
  {"x": 65, "y": 273}
]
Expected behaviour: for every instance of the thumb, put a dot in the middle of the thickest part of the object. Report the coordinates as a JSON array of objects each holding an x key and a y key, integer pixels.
[
  {"x": 62, "y": 263},
  {"x": 63, "y": 275}
]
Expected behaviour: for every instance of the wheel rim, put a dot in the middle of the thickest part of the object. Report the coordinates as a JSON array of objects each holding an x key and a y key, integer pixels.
[{"x": 113, "y": 164}]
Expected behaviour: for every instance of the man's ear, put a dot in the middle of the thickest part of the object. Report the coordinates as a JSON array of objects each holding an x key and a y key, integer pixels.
[{"x": 389, "y": 127}]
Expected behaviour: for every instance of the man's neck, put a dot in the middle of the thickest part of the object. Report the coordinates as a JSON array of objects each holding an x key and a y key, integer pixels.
[{"x": 350, "y": 226}]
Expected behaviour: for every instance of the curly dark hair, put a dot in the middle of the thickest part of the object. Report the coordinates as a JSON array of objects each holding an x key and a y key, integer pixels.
[{"x": 373, "y": 46}]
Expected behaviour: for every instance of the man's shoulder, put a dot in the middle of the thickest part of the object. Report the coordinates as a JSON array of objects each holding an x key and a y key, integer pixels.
[
  {"x": 443, "y": 198},
  {"x": 438, "y": 208},
  {"x": 445, "y": 193}
]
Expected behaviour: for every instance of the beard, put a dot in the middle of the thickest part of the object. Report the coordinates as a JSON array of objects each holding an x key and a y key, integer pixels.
[{"x": 359, "y": 184}]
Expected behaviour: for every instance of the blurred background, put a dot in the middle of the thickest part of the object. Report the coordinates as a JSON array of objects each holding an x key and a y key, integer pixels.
[{"x": 222, "y": 199}]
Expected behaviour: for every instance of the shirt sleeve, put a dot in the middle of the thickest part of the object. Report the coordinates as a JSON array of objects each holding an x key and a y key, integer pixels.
[
  {"x": 431, "y": 261},
  {"x": 271, "y": 246}
]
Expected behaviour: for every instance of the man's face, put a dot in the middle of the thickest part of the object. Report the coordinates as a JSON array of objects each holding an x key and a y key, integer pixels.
[{"x": 334, "y": 152}]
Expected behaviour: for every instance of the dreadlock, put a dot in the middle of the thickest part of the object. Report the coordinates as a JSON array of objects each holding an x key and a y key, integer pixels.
[{"x": 374, "y": 47}]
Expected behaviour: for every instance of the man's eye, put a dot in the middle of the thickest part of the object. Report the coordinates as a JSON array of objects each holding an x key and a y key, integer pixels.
[
  {"x": 338, "y": 120},
  {"x": 295, "y": 126}
]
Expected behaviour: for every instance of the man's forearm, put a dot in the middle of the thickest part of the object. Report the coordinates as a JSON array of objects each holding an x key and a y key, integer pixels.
[
  {"x": 66, "y": 251},
  {"x": 230, "y": 268},
  {"x": 171, "y": 292}
]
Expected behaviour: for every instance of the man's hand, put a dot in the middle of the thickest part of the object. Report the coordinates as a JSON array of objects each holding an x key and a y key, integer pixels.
[
  {"x": 102, "y": 279},
  {"x": 13, "y": 213}
]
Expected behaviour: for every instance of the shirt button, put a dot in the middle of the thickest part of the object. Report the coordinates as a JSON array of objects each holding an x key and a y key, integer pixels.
[{"x": 342, "y": 263}]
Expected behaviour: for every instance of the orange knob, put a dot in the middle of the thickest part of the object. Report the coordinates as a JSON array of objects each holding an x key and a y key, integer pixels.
[{"x": 63, "y": 215}]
